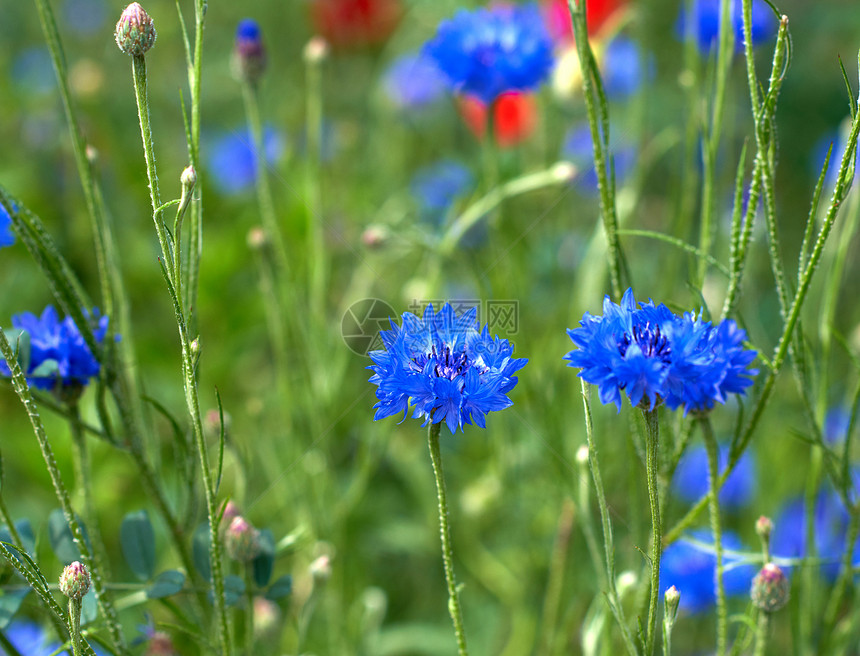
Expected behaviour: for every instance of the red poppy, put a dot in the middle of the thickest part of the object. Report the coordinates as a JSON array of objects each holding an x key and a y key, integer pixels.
[
  {"x": 355, "y": 23},
  {"x": 559, "y": 23},
  {"x": 514, "y": 117}
]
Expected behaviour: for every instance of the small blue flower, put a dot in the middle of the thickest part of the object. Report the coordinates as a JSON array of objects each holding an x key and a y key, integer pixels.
[
  {"x": 486, "y": 52},
  {"x": 705, "y": 23},
  {"x": 690, "y": 482},
  {"x": 838, "y": 140},
  {"x": 438, "y": 185},
  {"x": 691, "y": 568},
  {"x": 413, "y": 81},
  {"x": 84, "y": 16},
  {"x": 836, "y": 424},
  {"x": 59, "y": 343},
  {"x": 577, "y": 148},
  {"x": 444, "y": 367},
  {"x": 624, "y": 69},
  {"x": 231, "y": 159},
  {"x": 7, "y": 237},
  {"x": 654, "y": 355},
  {"x": 249, "y": 55},
  {"x": 30, "y": 639}
]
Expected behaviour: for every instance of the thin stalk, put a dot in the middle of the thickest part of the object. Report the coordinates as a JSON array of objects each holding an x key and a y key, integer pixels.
[
  {"x": 249, "y": 614},
  {"x": 713, "y": 475},
  {"x": 445, "y": 531},
  {"x": 652, "y": 467},
  {"x": 313, "y": 128},
  {"x": 555, "y": 577},
  {"x": 761, "y": 632},
  {"x": 75, "y": 616},
  {"x": 103, "y": 598}
]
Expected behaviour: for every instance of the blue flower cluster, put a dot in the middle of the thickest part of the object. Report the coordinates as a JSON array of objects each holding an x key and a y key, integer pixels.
[
  {"x": 704, "y": 23},
  {"x": 690, "y": 482},
  {"x": 445, "y": 366},
  {"x": 655, "y": 355},
  {"x": 7, "y": 237},
  {"x": 58, "y": 348},
  {"x": 690, "y": 565},
  {"x": 486, "y": 52}
]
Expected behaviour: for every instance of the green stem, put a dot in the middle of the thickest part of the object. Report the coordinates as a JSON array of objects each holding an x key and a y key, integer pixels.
[
  {"x": 555, "y": 577},
  {"x": 75, "y": 616},
  {"x": 249, "y": 615},
  {"x": 651, "y": 471},
  {"x": 22, "y": 389},
  {"x": 761, "y": 633},
  {"x": 313, "y": 129},
  {"x": 713, "y": 475},
  {"x": 447, "y": 553}
]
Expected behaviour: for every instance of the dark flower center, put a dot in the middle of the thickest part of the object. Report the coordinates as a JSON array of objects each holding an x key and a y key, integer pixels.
[
  {"x": 650, "y": 340},
  {"x": 449, "y": 365}
]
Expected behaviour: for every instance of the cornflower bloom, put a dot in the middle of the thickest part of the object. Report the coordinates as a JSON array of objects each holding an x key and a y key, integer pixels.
[
  {"x": 414, "y": 81},
  {"x": 704, "y": 23},
  {"x": 656, "y": 356},
  {"x": 690, "y": 482},
  {"x": 7, "y": 237},
  {"x": 445, "y": 367},
  {"x": 438, "y": 185},
  {"x": 60, "y": 360},
  {"x": 486, "y": 52},
  {"x": 232, "y": 162}
]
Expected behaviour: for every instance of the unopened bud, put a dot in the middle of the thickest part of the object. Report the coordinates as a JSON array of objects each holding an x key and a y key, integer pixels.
[
  {"x": 315, "y": 50},
  {"x": 249, "y": 56},
  {"x": 320, "y": 569},
  {"x": 763, "y": 528},
  {"x": 189, "y": 177},
  {"x": 564, "y": 171},
  {"x": 671, "y": 598},
  {"x": 160, "y": 644},
  {"x": 770, "y": 589},
  {"x": 582, "y": 455},
  {"x": 92, "y": 154},
  {"x": 135, "y": 32},
  {"x": 231, "y": 512},
  {"x": 75, "y": 580},
  {"x": 267, "y": 617},
  {"x": 374, "y": 236},
  {"x": 256, "y": 238},
  {"x": 242, "y": 541}
]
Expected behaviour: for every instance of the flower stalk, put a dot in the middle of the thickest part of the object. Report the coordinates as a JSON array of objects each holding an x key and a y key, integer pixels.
[
  {"x": 652, "y": 467},
  {"x": 714, "y": 507}
]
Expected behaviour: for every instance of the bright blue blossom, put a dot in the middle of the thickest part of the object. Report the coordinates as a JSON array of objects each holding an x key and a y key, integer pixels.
[
  {"x": 577, "y": 148},
  {"x": 30, "y": 639},
  {"x": 58, "y": 350},
  {"x": 654, "y": 355},
  {"x": 444, "y": 367},
  {"x": 231, "y": 159},
  {"x": 624, "y": 69},
  {"x": 7, "y": 237},
  {"x": 690, "y": 565},
  {"x": 690, "y": 482},
  {"x": 486, "y": 52},
  {"x": 705, "y": 23},
  {"x": 438, "y": 185},
  {"x": 414, "y": 80}
]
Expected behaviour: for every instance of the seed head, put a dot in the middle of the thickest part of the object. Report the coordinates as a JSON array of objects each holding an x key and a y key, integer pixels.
[
  {"x": 135, "y": 32},
  {"x": 75, "y": 580}
]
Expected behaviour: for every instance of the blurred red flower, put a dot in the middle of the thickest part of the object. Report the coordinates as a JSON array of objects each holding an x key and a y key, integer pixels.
[
  {"x": 355, "y": 23},
  {"x": 597, "y": 12},
  {"x": 514, "y": 117}
]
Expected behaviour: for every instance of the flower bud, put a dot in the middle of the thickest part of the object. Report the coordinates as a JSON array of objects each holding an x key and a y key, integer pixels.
[
  {"x": 582, "y": 455},
  {"x": 231, "y": 512},
  {"x": 135, "y": 32},
  {"x": 242, "y": 541},
  {"x": 267, "y": 617},
  {"x": 160, "y": 644},
  {"x": 320, "y": 569},
  {"x": 249, "y": 56},
  {"x": 257, "y": 238},
  {"x": 374, "y": 236},
  {"x": 770, "y": 589},
  {"x": 75, "y": 580},
  {"x": 763, "y": 528},
  {"x": 315, "y": 50},
  {"x": 671, "y": 598},
  {"x": 189, "y": 177}
]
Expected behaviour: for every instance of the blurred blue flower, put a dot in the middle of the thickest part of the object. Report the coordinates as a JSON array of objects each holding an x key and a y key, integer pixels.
[
  {"x": 654, "y": 355},
  {"x": 7, "y": 237},
  {"x": 438, "y": 185},
  {"x": 838, "y": 140},
  {"x": 249, "y": 55},
  {"x": 624, "y": 69},
  {"x": 84, "y": 16},
  {"x": 830, "y": 522},
  {"x": 448, "y": 369},
  {"x": 60, "y": 346},
  {"x": 413, "y": 81},
  {"x": 33, "y": 71},
  {"x": 705, "y": 23},
  {"x": 690, "y": 482},
  {"x": 836, "y": 424},
  {"x": 231, "y": 158},
  {"x": 577, "y": 148},
  {"x": 30, "y": 639},
  {"x": 486, "y": 52},
  {"x": 692, "y": 567}
]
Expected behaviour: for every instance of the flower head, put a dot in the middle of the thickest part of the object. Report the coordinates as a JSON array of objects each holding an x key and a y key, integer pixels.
[
  {"x": 445, "y": 367},
  {"x": 690, "y": 564},
  {"x": 232, "y": 161},
  {"x": 355, "y": 23},
  {"x": 249, "y": 56},
  {"x": 514, "y": 117},
  {"x": 241, "y": 540},
  {"x": 486, "y": 52},
  {"x": 654, "y": 355},
  {"x": 60, "y": 359},
  {"x": 703, "y": 23},
  {"x": 135, "y": 33},
  {"x": 691, "y": 478},
  {"x": 7, "y": 237},
  {"x": 624, "y": 68},
  {"x": 75, "y": 580},
  {"x": 770, "y": 589},
  {"x": 414, "y": 81}
]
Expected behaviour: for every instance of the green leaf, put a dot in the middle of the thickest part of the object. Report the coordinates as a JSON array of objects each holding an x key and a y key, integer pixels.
[
  {"x": 60, "y": 537},
  {"x": 166, "y": 584},
  {"x": 138, "y": 544},
  {"x": 265, "y": 561},
  {"x": 10, "y": 602},
  {"x": 234, "y": 588},
  {"x": 25, "y": 530},
  {"x": 89, "y": 607},
  {"x": 20, "y": 341},
  {"x": 281, "y": 588},
  {"x": 200, "y": 550}
]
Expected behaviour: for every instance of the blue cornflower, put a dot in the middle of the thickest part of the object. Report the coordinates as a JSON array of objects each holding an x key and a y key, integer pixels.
[
  {"x": 624, "y": 70},
  {"x": 705, "y": 23},
  {"x": 690, "y": 565},
  {"x": 231, "y": 158},
  {"x": 690, "y": 482},
  {"x": 249, "y": 55},
  {"x": 445, "y": 367},
  {"x": 654, "y": 355},
  {"x": 30, "y": 638},
  {"x": 577, "y": 148},
  {"x": 486, "y": 52},
  {"x": 414, "y": 80},
  {"x": 60, "y": 346},
  {"x": 7, "y": 237},
  {"x": 836, "y": 424},
  {"x": 438, "y": 185}
]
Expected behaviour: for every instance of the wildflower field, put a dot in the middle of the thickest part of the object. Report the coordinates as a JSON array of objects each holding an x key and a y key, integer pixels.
[{"x": 409, "y": 328}]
